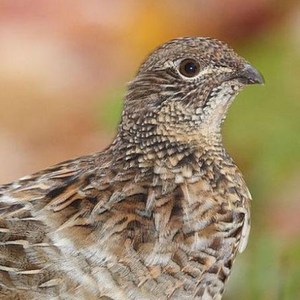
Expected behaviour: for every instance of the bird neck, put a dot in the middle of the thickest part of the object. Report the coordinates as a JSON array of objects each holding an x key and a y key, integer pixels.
[{"x": 165, "y": 153}]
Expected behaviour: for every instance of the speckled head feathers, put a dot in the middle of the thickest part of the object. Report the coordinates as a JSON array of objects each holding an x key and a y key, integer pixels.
[
  {"x": 187, "y": 83},
  {"x": 207, "y": 51}
]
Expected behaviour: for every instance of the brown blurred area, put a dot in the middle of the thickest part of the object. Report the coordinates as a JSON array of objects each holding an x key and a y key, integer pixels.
[
  {"x": 59, "y": 58},
  {"x": 63, "y": 70}
]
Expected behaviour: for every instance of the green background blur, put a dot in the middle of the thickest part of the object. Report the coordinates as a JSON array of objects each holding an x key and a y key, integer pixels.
[{"x": 63, "y": 70}]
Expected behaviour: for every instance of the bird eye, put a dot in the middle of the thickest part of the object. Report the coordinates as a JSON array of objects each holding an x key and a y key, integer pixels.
[{"x": 189, "y": 68}]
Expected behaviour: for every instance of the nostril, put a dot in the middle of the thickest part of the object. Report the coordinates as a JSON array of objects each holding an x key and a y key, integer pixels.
[{"x": 251, "y": 75}]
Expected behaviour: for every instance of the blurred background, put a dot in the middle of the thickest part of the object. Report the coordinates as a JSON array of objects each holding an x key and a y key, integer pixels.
[{"x": 63, "y": 70}]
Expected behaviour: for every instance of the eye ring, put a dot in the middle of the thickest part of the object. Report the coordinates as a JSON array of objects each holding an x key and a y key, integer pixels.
[{"x": 189, "y": 67}]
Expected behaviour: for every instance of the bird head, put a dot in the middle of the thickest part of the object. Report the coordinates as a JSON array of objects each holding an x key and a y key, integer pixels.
[{"x": 183, "y": 89}]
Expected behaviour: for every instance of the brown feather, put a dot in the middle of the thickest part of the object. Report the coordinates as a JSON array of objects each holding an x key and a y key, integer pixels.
[{"x": 160, "y": 214}]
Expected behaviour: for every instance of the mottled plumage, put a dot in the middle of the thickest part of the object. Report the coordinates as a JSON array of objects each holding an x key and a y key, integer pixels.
[{"x": 160, "y": 214}]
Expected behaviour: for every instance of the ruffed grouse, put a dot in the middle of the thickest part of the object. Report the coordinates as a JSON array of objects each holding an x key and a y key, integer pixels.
[{"x": 160, "y": 214}]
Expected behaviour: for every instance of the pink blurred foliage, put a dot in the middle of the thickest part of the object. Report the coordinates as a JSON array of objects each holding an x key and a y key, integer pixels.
[
  {"x": 59, "y": 58},
  {"x": 284, "y": 221}
]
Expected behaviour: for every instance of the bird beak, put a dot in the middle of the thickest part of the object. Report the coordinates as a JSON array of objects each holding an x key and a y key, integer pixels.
[{"x": 250, "y": 75}]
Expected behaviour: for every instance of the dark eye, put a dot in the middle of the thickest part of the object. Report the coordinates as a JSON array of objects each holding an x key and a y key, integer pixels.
[{"x": 189, "y": 67}]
